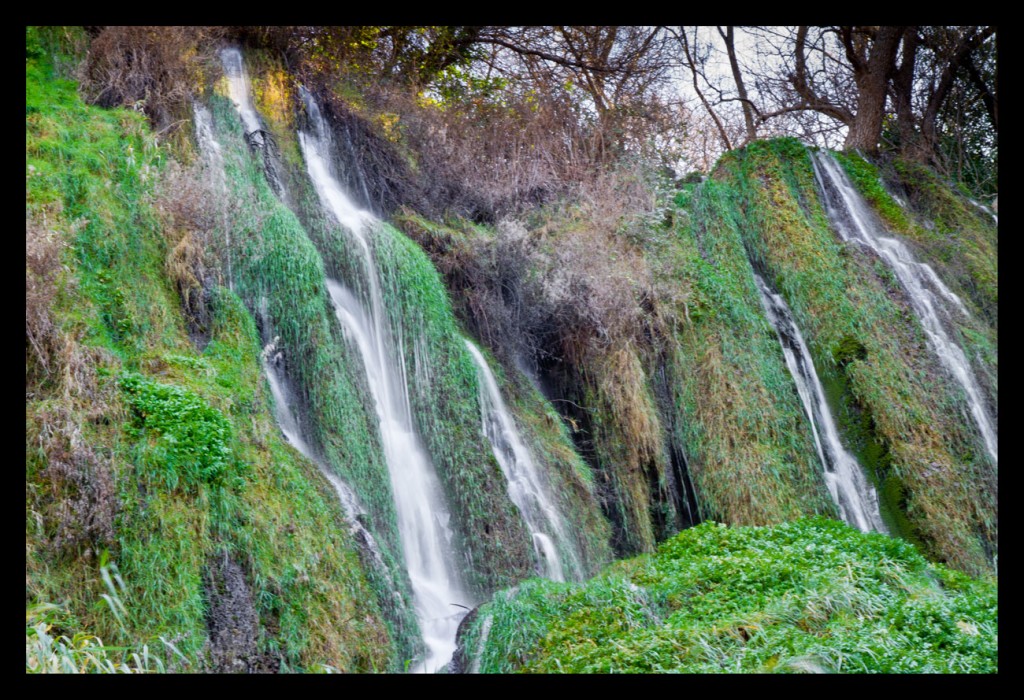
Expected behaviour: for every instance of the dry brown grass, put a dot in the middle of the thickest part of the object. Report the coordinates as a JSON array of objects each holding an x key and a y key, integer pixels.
[
  {"x": 732, "y": 471},
  {"x": 187, "y": 202},
  {"x": 73, "y": 499},
  {"x": 42, "y": 269},
  {"x": 80, "y": 501},
  {"x": 150, "y": 69}
]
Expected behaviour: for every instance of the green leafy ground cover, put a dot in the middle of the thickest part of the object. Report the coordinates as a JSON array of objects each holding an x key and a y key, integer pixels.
[{"x": 810, "y": 596}]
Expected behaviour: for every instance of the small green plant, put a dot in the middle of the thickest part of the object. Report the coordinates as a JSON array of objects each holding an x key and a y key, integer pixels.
[{"x": 191, "y": 438}]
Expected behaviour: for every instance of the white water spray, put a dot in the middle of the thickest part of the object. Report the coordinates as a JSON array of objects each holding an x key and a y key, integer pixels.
[
  {"x": 931, "y": 299},
  {"x": 240, "y": 91},
  {"x": 440, "y": 599},
  {"x": 525, "y": 486},
  {"x": 856, "y": 498},
  {"x": 214, "y": 161}
]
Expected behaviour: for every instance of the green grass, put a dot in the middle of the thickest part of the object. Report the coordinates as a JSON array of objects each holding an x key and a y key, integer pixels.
[
  {"x": 807, "y": 596},
  {"x": 865, "y": 177}
]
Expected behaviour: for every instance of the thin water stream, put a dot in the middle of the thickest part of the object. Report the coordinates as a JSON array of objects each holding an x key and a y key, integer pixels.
[
  {"x": 931, "y": 300},
  {"x": 525, "y": 486},
  {"x": 287, "y": 421},
  {"x": 846, "y": 481}
]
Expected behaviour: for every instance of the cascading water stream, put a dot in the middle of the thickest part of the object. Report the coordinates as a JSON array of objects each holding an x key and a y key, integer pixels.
[
  {"x": 289, "y": 425},
  {"x": 239, "y": 91},
  {"x": 930, "y": 298},
  {"x": 856, "y": 498},
  {"x": 211, "y": 152},
  {"x": 985, "y": 210},
  {"x": 422, "y": 515},
  {"x": 525, "y": 487},
  {"x": 440, "y": 601}
]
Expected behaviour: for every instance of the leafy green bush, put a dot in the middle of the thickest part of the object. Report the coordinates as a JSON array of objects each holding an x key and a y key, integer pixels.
[{"x": 191, "y": 445}]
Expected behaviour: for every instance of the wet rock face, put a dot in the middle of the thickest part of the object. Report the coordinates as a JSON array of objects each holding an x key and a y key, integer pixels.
[
  {"x": 231, "y": 618},
  {"x": 460, "y": 662}
]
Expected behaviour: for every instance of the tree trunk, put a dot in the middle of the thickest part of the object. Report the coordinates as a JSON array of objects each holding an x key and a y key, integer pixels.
[
  {"x": 872, "y": 78},
  {"x": 748, "y": 111},
  {"x": 903, "y": 91}
]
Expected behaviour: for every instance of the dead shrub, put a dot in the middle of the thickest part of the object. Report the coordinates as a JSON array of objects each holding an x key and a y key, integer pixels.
[
  {"x": 150, "y": 69},
  {"x": 485, "y": 161},
  {"x": 78, "y": 499},
  {"x": 593, "y": 278},
  {"x": 187, "y": 203},
  {"x": 42, "y": 268}
]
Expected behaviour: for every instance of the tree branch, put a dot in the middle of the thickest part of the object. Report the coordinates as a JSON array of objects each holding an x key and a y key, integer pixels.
[{"x": 681, "y": 37}]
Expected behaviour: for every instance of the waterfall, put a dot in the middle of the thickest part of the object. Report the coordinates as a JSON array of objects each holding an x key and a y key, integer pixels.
[
  {"x": 439, "y": 596},
  {"x": 525, "y": 487},
  {"x": 856, "y": 498},
  {"x": 288, "y": 422},
  {"x": 214, "y": 161},
  {"x": 931, "y": 299},
  {"x": 985, "y": 210},
  {"x": 239, "y": 91}
]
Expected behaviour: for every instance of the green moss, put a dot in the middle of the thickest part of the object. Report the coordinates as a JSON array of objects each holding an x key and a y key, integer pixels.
[
  {"x": 849, "y": 349},
  {"x": 275, "y": 96},
  {"x": 951, "y": 234},
  {"x": 281, "y": 276}
]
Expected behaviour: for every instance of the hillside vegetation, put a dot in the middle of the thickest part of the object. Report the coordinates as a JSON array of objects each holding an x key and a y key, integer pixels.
[
  {"x": 810, "y": 596},
  {"x": 173, "y": 257}
]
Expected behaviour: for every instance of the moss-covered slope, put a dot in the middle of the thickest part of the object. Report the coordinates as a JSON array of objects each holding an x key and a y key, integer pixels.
[
  {"x": 738, "y": 416},
  {"x": 899, "y": 410}
]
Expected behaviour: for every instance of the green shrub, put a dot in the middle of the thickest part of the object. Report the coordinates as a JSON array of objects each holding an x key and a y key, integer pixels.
[{"x": 191, "y": 437}]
